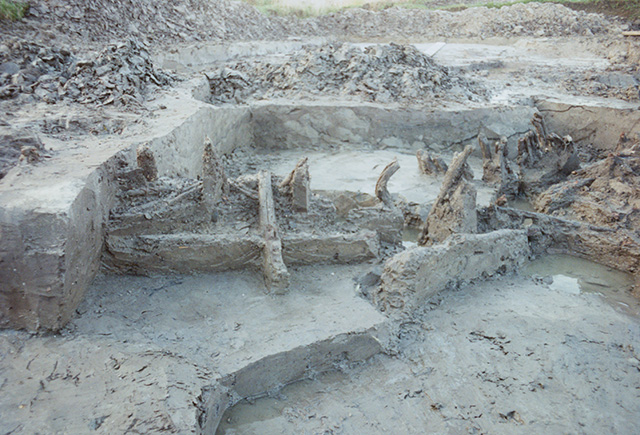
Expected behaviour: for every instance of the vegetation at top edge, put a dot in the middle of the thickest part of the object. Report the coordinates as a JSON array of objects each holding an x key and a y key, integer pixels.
[
  {"x": 13, "y": 10},
  {"x": 501, "y": 4},
  {"x": 624, "y": 8},
  {"x": 272, "y": 7}
]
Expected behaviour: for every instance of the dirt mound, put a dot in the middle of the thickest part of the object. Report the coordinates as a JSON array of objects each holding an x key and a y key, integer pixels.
[
  {"x": 615, "y": 84},
  {"x": 26, "y": 66},
  {"x": 531, "y": 19},
  {"x": 97, "y": 21},
  {"x": 150, "y": 20},
  {"x": 381, "y": 73},
  {"x": 120, "y": 74}
]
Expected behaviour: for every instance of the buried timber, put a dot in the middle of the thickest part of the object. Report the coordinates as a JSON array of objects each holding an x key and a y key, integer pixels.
[
  {"x": 264, "y": 211},
  {"x": 309, "y": 253},
  {"x": 511, "y": 339}
]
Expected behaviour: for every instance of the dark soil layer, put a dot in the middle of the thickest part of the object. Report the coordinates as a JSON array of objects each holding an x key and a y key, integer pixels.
[{"x": 629, "y": 9}]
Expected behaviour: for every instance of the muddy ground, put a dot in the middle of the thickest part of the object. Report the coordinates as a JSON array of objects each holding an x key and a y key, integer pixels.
[
  {"x": 543, "y": 349},
  {"x": 499, "y": 357}
]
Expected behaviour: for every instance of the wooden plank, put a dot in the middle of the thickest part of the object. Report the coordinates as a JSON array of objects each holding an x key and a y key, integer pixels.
[
  {"x": 631, "y": 33},
  {"x": 276, "y": 275},
  {"x": 331, "y": 248}
]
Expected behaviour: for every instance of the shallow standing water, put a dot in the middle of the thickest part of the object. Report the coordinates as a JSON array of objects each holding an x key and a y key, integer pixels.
[
  {"x": 410, "y": 237},
  {"x": 247, "y": 415},
  {"x": 576, "y": 275},
  {"x": 522, "y": 204},
  {"x": 358, "y": 171}
]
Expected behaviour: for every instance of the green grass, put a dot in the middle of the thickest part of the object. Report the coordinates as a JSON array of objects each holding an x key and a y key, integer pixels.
[
  {"x": 624, "y": 8},
  {"x": 13, "y": 10},
  {"x": 271, "y": 7},
  {"x": 426, "y": 4}
]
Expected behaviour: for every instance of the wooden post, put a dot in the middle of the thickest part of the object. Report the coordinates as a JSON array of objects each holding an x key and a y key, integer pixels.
[
  {"x": 381, "y": 186},
  {"x": 214, "y": 181},
  {"x": 297, "y": 186},
  {"x": 276, "y": 275},
  {"x": 443, "y": 219}
]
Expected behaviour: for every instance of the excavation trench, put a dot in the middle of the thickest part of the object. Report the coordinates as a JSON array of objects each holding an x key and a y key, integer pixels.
[
  {"x": 369, "y": 203},
  {"x": 376, "y": 392},
  {"x": 342, "y": 183},
  {"x": 158, "y": 227},
  {"x": 271, "y": 230}
]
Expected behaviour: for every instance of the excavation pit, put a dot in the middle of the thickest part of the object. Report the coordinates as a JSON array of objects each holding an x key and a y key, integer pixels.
[
  {"x": 221, "y": 289},
  {"x": 338, "y": 171},
  {"x": 501, "y": 338}
]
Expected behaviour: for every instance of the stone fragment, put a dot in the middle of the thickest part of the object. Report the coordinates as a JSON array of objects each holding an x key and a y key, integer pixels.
[{"x": 9, "y": 68}]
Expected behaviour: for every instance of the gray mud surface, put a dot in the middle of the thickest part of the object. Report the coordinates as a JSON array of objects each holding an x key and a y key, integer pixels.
[
  {"x": 507, "y": 356},
  {"x": 140, "y": 350}
]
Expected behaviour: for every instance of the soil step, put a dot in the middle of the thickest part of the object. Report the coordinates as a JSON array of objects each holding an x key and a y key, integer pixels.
[{"x": 158, "y": 342}]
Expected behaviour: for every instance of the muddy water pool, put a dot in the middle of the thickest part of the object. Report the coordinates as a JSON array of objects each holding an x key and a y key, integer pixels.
[
  {"x": 358, "y": 171},
  {"x": 576, "y": 275}
]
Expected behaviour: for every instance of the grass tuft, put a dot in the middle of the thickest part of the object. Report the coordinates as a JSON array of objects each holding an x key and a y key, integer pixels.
[{"x": 13, "y": 10}]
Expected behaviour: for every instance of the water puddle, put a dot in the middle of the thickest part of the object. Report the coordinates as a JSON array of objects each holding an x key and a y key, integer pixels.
[
  {"x": 576, "y": 275},
  {"x": 270, "y": 414},
  {"x": 358, "y": 171},
  {"x": 410, "y": 237},
  {"x": 521, "y": 204},
  {"x": 246, "y": 414}
]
